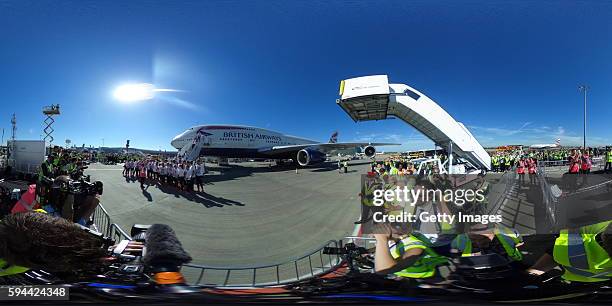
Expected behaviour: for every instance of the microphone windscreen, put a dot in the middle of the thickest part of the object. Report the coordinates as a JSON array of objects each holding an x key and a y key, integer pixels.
[{"x": 163, "y": 247}]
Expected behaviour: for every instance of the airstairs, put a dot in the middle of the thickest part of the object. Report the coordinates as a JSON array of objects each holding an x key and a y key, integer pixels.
[{"x": 373, "y": 98}]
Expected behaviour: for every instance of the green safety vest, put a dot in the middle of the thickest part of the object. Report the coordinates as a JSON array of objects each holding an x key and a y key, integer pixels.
[
  {"x": 368, "y": 196},
  {"x": 583, "y": 259},
  {"x": 49, "y": 168},
  {"x": 393, "y": 171},
  {"x": 425, "y": 266},
  {"x": 508, "y": 237},
  {"x": 609, "y": 156},
  {"x": 6, "y": 269}
]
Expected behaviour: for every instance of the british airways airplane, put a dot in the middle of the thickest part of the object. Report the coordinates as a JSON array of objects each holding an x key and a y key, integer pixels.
[
  {"x": 555, "y": 145},
  {"x": 237, "y": 141}
]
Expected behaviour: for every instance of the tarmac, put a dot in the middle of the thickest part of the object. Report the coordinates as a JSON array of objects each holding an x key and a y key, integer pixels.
[
  {"x": 254, "y": 214},
  {"x": 250, "y": 213}
]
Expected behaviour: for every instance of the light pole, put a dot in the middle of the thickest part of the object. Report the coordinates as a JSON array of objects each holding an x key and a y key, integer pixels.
[{"x": 584, "y": 88}]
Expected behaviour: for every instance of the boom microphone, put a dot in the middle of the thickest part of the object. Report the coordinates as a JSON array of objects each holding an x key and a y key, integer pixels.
[{"x": 163, "y": 249}]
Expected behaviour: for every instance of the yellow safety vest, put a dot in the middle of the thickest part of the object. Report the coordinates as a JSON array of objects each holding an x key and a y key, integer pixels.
[
  {"x": 6, "y": 269},
  {"x": 583, "y": 259},
  {"x": 509, "y": 239},
  {"x": 425, "y": 266},
  {"x": 368, "y": 195}
]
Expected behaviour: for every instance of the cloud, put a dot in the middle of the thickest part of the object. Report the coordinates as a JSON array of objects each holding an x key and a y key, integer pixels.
[{"x": 529, "y": 134}]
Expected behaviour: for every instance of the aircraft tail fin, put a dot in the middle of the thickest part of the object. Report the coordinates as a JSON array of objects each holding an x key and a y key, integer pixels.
[
  {"x": 558, "y": 142},
  {"x": 334, "y": 137}
]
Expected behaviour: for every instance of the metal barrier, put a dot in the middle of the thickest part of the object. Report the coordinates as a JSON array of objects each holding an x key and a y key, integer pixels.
[
  {"x": 117, "y": 233},
  {"x": 597, "y": 163},
  {"x": 102, "y": 223},
  {"x": 548, "y": 198},
  {"x": 309, "y": 265},
  {"x": 306, "y": 266}
]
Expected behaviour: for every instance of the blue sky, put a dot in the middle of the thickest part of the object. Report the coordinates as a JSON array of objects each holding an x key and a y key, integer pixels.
[{"x": 508, "y": 69}]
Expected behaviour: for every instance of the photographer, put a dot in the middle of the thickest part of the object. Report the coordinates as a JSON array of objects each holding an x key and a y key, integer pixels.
[{"x": 75, "y": 200}]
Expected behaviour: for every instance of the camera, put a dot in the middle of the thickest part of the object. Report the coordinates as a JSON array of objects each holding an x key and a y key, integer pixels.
[{"x": 82, "y": 187}]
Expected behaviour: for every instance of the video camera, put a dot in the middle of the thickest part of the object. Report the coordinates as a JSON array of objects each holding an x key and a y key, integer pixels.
[
  {"x": 82, "y": 186},
  {"x": 353, "y": 255}
]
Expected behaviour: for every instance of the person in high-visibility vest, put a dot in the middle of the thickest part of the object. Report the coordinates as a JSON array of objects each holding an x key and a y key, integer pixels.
[
  {"x": 608, "y": 166},
  {"x": 408, "y": 255},
  {"x": 531, "y": 168},
  {"x": 509, "y": 239},
  {"x": 393, "y": 170},
  {"x": 47, "y": 169},
  {"x": 583, "y": 253},
  {"x": 495, "y": 163},
  {"x": 368, "y": 207},
  {"x": 585, "y": 163}
]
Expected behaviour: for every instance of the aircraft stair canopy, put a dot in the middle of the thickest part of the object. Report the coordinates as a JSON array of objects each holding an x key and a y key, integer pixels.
[
  {"x": 192, "y": 151},
  {"x": 373, "y": 98}
]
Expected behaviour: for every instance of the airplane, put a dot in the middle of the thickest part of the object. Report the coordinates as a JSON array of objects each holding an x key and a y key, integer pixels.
[
  {"x": 239, "y": 141},
  {"x": 555, "y": 145}
]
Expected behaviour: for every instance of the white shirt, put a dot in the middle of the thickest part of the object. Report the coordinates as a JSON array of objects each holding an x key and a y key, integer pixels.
[
  {"x": 199, "y": 170},
  {"x": 189, "y": 173}
]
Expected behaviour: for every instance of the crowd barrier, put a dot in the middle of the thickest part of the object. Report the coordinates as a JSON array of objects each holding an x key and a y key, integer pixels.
[
  {"x": 308, "y": 265},
  {"x": 597, "y": 163},
  {"x": 548, "y": 198},
  {"x": 102, "y": 223}
]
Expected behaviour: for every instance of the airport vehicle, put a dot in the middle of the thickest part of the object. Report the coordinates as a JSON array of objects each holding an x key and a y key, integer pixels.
[
  {"x": 25, "y": 156},
  {"x": 374, "y": 98},
  {"x": 555, "y": 145},
  {"x": 238, "y": 141}
]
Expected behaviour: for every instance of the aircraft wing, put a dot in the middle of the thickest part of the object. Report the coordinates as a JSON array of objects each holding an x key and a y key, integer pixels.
[{"x": 324, "y": 147}]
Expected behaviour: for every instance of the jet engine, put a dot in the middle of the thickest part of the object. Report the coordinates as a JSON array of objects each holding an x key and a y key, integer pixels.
[
  {"x": 309, "y": 157},
  {"x": 369, "y": 151}
]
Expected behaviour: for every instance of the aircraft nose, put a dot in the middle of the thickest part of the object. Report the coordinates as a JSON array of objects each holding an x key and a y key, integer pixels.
[{"x": 175, "y": 140}]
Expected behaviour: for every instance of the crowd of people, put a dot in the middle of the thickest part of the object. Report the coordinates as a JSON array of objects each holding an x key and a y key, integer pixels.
[
  {"x": 64, "y": 162},
  {"x": 405, "y": 252},
  {"x": 183, "y": 175},
  {"x": 396, "y": 166}
]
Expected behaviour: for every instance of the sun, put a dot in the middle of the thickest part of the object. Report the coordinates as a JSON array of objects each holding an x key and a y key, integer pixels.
[{"x": 134, "y": 92}]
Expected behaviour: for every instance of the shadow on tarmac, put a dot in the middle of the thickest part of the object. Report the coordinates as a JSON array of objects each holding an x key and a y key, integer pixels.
[
  {"x": 146, "y": 194},
  {"x": 207, "y": 200},
  {"x": 232, "y": 172}
]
